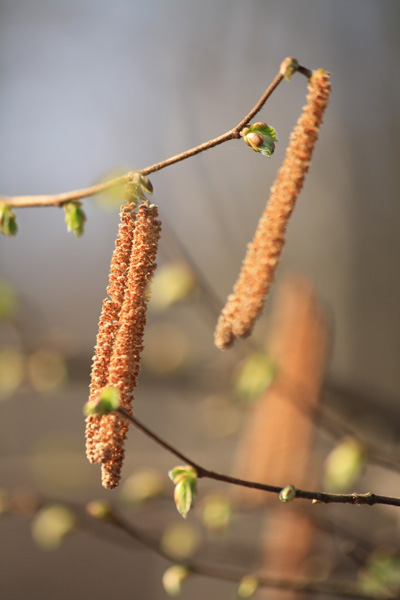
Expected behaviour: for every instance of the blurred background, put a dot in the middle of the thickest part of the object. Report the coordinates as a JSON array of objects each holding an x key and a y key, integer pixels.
[{"x": 93, "y": 88}]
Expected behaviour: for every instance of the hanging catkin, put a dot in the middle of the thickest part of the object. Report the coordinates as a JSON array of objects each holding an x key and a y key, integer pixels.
[
  {"x": 120, "y": 338},
  {"x": 246, "y": 302}
]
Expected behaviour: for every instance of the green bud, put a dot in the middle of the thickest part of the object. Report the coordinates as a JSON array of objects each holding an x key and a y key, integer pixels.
[
  {"x": 185, "y": 480},
  {"x": 260, "y": 137},
  {"x": 288, "y": 67},
  {"x": 8, "y": 220},
  {"x": 74, "y": 217},
  {"x": 287, "y": 494},
  {"x": 254, "y": 140},
  {"x": 106, "y": 402}
]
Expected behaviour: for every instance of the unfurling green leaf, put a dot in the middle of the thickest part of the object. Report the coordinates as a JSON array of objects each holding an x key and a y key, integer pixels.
[
  {"x": 173, "y": 578},
  {"x": 75, "y": 217},
  {"x": 287, "y": 494},
  {"x": 260, "y": 137},
  {"x": 8, "y": 220},
  {"x": 185, "y": 480},
  {"x": 106, "y": 402}
]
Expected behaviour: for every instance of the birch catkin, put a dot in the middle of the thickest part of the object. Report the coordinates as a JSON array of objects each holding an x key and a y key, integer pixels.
[
  {"x": 108, "y": 323},
  {"x": 120, "y": 338},
  {"x": 246, "y": 302}
]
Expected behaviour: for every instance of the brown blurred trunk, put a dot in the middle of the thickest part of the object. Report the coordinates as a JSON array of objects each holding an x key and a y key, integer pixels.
[{"x": 277, "y": 444}]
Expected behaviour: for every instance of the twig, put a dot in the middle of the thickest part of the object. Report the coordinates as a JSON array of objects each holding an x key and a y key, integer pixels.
[
  {"x": 28, "y": 505},
  {"x": 318, "y": 497},
  {"x": 60, "y": 199},
  {"x": 331, "y": 588}
]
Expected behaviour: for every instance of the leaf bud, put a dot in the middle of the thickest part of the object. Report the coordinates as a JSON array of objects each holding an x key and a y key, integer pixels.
[
  {"x": 260, "y": 137},
  {"x": 107, "y": 401},
  {"x": 75, "y": 217},
  {"x": 287, "y": 494},
  {"x": 288, "y": 67},
  {"x": 8, "y": 220}
]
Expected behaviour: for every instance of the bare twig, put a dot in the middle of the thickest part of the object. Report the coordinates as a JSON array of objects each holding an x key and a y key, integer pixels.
[
  {"x": 317, "y": 497},
  {"x": 60, "y": 199},
  {"x": 334, "y": 588}
]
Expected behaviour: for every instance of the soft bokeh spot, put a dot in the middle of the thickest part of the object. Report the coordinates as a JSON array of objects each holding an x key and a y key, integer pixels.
[
  {"x": 216, "y": 512},
  {"x": 173, "y": 578},
  {"x": 344, "y": 465},
  {"x": 8, "y": 300},
  {"x": 253, "y": 376},
  {"x": 46, "y": 370},
  {"x": 11, "y": 371},
  {"x": 51, "y": 525},
  {"x": 219, "y": 417},
  {"x": 142, "y": 485},
  {"x": 167, "y": 347},
  {"x": 172, "y": 283},
  {"x": 58, "y": 462},
  {"x": 180, "y": 540}
]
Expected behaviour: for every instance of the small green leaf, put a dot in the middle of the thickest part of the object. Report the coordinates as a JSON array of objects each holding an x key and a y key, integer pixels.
[
  {"x": 8, "y": 220},
  {"x": 183, "y": 497},
  {"x": 185, "y": 470},
  {"x": 106, "y": 402},
  {"x": 264, "y": 129},
  {"x": 75, "y": 217},
  {"x": 260, "y": 137},
  {"x": 185, "y": 480},
  {"x": 268, "y": 148},
  {"x": 287, "y": 494}
]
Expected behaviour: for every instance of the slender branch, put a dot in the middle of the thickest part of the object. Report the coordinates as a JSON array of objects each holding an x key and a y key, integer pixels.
[
  {"x": 60, "y": 199},
  {"x": 317, "y": 497},
  {"x": 345, "y": 589},
  {"x": 28, "y": 505}
]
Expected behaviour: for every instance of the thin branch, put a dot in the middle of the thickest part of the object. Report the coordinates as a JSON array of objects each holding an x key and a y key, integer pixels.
[
  {"x": 317, "y": 497},
  {"x": 60, "y": 199},
  {"x": 28, "y": 505},
  {"x": 331, "y": 588}
]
